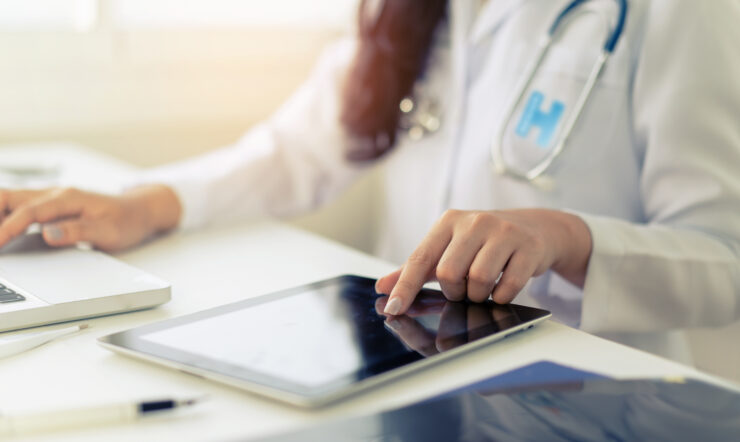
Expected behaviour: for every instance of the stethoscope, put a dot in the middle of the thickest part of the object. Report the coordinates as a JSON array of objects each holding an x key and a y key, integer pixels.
[
  {"x": 419, "y": 119},
  {"x": 545, "y": 44}
]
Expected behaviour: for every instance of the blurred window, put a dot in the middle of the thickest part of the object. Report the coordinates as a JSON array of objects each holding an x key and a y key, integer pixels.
[
  {"x": 22, "y": 15},
  {"x": 84, "y": 15},
  {"x": 233, "y": 13}
]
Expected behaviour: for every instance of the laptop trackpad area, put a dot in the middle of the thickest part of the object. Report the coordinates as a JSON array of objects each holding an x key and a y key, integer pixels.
[{"x": 67, "y": 275}]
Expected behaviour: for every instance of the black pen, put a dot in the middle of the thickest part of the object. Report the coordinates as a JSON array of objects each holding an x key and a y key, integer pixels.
[{"x": 108, "y": 414}]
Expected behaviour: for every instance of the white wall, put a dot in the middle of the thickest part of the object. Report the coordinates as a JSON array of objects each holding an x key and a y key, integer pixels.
[{"x": 150, "y": 96}]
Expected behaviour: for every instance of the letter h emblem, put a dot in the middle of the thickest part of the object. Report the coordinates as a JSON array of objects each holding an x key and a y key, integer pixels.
[{"x": 533, "y": 116}]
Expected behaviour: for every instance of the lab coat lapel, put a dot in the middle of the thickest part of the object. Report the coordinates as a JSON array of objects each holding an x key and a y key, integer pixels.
[
  {"x": 462, "y": 15},
  {"x": 493, "y": 14}
]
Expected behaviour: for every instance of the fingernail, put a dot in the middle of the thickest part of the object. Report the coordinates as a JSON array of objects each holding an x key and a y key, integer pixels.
[
  {"x": 393, "y": 307},
  {"x": 394, "y": 324},
  {"x": 54, "y": 233}
]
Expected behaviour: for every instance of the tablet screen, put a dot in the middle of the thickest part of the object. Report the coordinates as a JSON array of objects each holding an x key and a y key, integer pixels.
[{"x": 325, "y": 335}]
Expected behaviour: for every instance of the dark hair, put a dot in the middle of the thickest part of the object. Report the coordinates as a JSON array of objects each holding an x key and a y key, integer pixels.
[{"x": 395, "y": 38}]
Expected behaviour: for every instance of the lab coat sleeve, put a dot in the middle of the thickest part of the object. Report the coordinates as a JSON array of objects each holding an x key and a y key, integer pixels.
[
  {"x": 681, "y": 268},
  {"x": 290, "y": 163}
]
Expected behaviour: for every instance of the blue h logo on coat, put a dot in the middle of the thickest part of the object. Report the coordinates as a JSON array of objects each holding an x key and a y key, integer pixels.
[{"x": 546, "y": 122}]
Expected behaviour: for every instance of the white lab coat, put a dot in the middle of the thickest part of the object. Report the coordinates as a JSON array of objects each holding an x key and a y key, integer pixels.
[{"x": 653, "y": 166}]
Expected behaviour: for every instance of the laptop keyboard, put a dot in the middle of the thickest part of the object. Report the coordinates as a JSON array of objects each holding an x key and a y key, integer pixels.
[{"x": 8, "y": 295}]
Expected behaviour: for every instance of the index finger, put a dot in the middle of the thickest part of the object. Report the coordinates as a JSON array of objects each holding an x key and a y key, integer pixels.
[
  {"x": 10, "y": 199},
  {"x": 45, "y": 209},
  {"x": 434, "y": 307},
  {"x": 416, "y": 270}
]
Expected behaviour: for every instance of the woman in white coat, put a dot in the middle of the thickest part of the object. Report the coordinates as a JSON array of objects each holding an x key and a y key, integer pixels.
[{"x": 633, "y": 231}]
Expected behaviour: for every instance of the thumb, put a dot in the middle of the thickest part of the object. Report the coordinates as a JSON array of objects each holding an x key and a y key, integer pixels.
[{"x": 67, "y": 233}]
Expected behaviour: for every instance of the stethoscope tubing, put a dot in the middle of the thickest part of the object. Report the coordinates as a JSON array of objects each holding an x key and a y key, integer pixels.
[{"x": 499, "y": 163}]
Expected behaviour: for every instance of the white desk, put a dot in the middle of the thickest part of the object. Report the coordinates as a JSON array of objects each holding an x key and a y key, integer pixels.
[{"x": 218, "y": 266}]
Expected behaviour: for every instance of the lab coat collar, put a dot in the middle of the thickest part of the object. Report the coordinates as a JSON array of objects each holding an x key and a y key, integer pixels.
[
  {"x": 469, "y": 25},
  {"x": 492, "y": 15}
]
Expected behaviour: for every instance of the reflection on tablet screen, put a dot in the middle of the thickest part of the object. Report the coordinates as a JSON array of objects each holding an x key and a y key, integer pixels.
[{"x": 334, "y": 332}]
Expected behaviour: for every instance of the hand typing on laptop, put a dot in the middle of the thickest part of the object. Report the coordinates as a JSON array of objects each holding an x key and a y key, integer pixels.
[
  {"x": 70, "y": 216},
  {"x": 42, "y": 282}
]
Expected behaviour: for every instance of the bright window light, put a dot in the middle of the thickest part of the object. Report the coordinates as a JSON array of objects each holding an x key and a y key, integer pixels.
[
  {"x": 234, "y": 13},
  {"x": 22, "y": 15}
]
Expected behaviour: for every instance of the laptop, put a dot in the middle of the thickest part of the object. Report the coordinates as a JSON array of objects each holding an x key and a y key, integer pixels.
[{"x": 41, "y": 285}]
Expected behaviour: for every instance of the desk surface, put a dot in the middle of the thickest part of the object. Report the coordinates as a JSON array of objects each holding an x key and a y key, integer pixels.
[{"x": 230, "y": 263}]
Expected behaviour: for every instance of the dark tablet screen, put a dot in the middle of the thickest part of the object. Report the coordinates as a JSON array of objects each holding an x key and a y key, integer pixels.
[{"x": 320, "y": 337}]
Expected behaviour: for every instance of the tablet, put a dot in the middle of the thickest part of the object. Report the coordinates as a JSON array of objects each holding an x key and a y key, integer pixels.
[{"x": 317, "y": 343}]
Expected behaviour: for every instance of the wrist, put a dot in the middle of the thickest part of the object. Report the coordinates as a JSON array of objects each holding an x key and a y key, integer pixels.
[
  {"x": 158, "y": 206},
  {"x": 574, "y": 242}
]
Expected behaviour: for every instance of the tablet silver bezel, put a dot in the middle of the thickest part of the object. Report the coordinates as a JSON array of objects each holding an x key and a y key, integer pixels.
[{"x": 279, "y": 392}]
